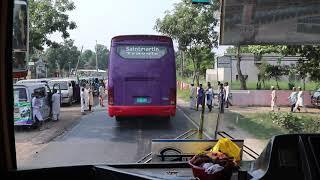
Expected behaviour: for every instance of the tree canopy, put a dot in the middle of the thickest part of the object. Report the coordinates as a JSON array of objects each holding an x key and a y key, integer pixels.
[
  {"x": 59, "y": 58},
  {"x": 47, "y": 17},
  {"x": 192, "y": 26}
]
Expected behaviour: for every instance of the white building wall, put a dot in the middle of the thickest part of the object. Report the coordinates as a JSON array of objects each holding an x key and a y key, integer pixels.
[
  {"x": 249, "y": 64},
  {"x": 248, "y": 67}
]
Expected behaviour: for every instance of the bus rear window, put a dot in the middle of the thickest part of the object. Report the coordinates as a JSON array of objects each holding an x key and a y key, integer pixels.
[{"x": 141, "y": 52}]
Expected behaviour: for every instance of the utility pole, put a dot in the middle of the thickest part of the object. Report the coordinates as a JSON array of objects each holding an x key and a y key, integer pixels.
[
  {"x": 96, "y": 56},
  {"x": 78, "y": 60}
]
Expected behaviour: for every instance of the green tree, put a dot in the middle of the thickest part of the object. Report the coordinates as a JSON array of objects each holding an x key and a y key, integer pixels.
[
  {"x": 238, "y": 51},
  {"x": 59, "y": 58},
  {"x": 233, "y": 50},
  {"x": 276, "y": 72},
  {"x": 259, "y": 51},
  {"x": 86, "y": 58},
  {"x": 309, "y": 64},
  {"x": 47, "y": 17},
  {"x": 102, "y": 57},
  {"x": 192, "y": 26},
  {"x": 263, "y": 74}
]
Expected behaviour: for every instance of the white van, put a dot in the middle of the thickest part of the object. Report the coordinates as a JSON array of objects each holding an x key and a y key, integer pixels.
[
  {"x": 28, "y": 81},
  {"x": 23, "y": 103},
  {"x": 67, "y": 87}
]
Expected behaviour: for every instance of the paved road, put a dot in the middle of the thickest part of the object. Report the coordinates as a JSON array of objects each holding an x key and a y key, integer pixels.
[
  {"x": 28, "y": 140},
  {"x": 100, "y": 139}
]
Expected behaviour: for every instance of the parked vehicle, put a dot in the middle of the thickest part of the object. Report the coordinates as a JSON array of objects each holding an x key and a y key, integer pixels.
[
  {"x": 23, "y": 102},
  {"x": 315, "y": 98},
  {"x": 28, "y": 81},
  {"x": 68, "y": 90}
]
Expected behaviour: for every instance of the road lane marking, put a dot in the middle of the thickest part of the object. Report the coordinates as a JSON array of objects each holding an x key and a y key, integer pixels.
[{"x": 193, "y": 122}]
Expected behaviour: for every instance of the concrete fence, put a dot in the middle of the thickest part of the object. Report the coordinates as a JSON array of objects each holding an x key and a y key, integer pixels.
[
  {"x": 263, "y": 98},
  {"x": 257, "y": 97}
]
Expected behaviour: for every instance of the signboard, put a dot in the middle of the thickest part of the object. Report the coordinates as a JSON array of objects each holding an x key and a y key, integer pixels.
[
  {"x": 141, "y": 52},
  {"x": 249, "y": 22},
  {"x": 40, "y": 69},
  {"x": 22, "y": 113},
  {"x": 224, "y": 62}
]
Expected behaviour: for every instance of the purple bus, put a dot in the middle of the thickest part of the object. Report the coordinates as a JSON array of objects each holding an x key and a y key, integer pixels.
[{"x": 141, "y": 76}]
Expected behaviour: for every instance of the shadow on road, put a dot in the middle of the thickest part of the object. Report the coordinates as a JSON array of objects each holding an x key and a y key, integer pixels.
[{"x": 144, "y": 123}]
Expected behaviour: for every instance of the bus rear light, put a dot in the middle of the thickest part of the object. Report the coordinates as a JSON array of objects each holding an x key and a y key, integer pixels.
[
  {"x": 173, "y": 96},
  {"x": 110, "y": 96}
]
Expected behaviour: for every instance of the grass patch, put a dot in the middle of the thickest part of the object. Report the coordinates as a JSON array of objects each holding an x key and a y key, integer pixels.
[
  {"x": 183, "y": 94},
  {"x": 252, "y": 85},
  {"x": 284, "y": 85},
  {"x": 257, "y": 124},
  {"x": 266, "y": 125}
]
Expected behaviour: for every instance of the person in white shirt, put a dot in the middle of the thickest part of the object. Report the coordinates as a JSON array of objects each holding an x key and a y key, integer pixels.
[
  {"x": 82, "y": 100},
  {"x": 293, "y": 98},
  {"x": 101, "y": 95},
  {"x": 300, "y": 101},
  {"x": 70, "y": 91},
  {"x": 36, "y": 105},
  {"x": 209, "y": 94},
  {"x": 56, "y": 105},
  {"x": 193, "y": 95},
  {"x": 86, "y": 98},
  {"x": 90, "y": 99},
  {"x": 274, "y": 99},
  {"x": 227, "y": 98}
]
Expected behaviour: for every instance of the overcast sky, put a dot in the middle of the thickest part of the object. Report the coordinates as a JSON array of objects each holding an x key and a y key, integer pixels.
[{"x": 102, "y": 19}]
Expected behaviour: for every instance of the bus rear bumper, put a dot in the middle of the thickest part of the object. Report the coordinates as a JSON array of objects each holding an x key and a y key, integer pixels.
[{"x": 169, "y": 110}]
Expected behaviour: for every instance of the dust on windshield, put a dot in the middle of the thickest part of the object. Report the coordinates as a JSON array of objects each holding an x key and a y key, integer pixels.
[{"x": 121, "y": 111}]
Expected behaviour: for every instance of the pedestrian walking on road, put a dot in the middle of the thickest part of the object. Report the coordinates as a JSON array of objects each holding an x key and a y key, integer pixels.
[
  {"x": 86, "y": 98},
  {"x": 227, "y": 98},
  {"x": 56, "y": 105},
  {"x": 300, "y": 101},
  {"x": 101, "y": 94},
  {"x": 293, "y": 99},
  {"x": 83, "y": 100},
  {"x": 274, "y": 99},
  {"x": 200, "y": 96},
  {"x": 90, "y": 98},
  {"x": 36, "y": 106},
  {"x": 209, "y": 95},
  {"x": 193, "y": 95},
  {"x": 222, "y": 95}
]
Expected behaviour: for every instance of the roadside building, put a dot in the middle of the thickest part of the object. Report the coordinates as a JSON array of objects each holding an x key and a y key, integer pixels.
[{"x": 225, "y": 68}]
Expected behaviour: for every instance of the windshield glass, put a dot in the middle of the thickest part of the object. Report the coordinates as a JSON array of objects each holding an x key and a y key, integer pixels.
[
  {"x": 63, "y": 84},
  {"x": 146, "y": 74},
  {"x": 20, "y": 95}
]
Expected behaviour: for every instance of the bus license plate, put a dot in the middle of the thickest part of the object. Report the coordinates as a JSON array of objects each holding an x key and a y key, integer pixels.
[{"x": 142, "y": 100}]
